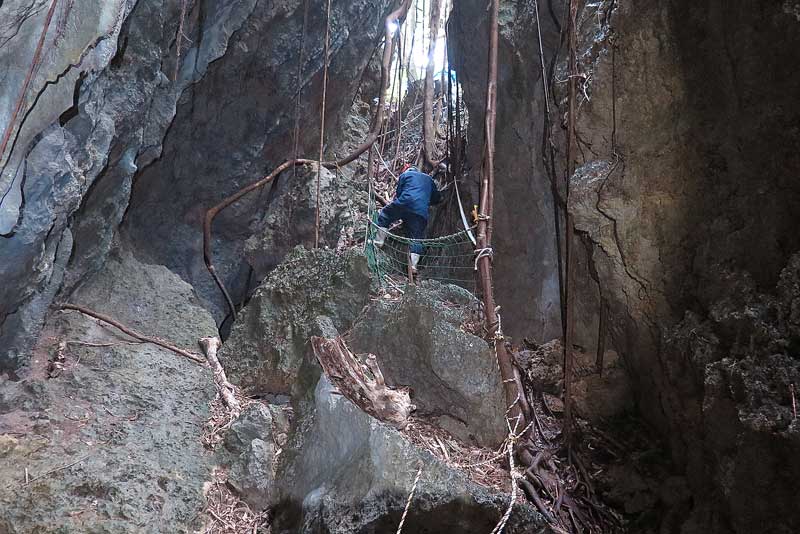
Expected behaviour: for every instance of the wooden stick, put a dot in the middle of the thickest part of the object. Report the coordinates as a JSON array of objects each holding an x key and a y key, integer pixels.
[
  {"x": 226, "y": 390},
  {"x": 512, "y": 387},
  {"x": 370, "y": 393},
  {"x": 133, "y": 333}
]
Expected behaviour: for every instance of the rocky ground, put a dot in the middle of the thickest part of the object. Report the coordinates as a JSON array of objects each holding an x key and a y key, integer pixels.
[{"x": 112, "y": 435}]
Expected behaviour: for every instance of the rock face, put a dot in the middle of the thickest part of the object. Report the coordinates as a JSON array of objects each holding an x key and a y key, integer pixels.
[
  {"x": 420, "y": 342},
  {"x": 111, "y": 442},
  {"x": 346, "y": 472},
  {"x": 686, "y": 158},
  {"x": 107, "y": 138},
  {"x": 525, "y": 259},
  {"x": 313, "y": 293},
  {"x": 238, "y": 124},
  {"x": 597, "y": 396},
  {"x": 290, "y": 219}
]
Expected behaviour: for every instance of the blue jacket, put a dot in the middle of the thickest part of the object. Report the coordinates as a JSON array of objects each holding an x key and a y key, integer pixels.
[{"x": 416, "y": 191}]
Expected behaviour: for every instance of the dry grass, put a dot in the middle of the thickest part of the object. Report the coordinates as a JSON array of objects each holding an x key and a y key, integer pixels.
[
  {"x": 227, "y": 514},
  {"x": 483, "y": 466}
]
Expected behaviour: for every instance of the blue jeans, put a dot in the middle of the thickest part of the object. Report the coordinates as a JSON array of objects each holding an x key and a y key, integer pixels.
[{"x": 414, "y": 224}]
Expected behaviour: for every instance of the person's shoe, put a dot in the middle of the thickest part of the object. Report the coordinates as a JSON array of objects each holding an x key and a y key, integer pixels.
[
  {"x": 380, "y": 236},
  {"x": 414, "y": 262}
]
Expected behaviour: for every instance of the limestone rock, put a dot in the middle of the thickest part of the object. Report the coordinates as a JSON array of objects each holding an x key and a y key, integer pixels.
[
  {"x": 255, "y": 422},
  {"x": 252, "y": 474},
  {"x": 314, "y": 292},
  {"x": 346, "y": 472},
  {"x": 419, "y": 342},
  {"x": 127, "y": 415}
]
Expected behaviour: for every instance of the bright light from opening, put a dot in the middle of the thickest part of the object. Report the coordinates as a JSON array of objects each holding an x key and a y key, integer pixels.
[
  {"x": 420, "y": 57},
  {"x": 392, "y": 26}
]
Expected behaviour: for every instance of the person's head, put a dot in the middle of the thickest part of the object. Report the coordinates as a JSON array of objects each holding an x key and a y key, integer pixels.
[{"x": 408, "y": 167}]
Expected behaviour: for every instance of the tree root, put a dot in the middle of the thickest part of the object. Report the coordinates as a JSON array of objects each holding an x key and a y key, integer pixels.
[
  {"x": 377, "y": 123},
  {"x": 134, "y": 334},
  {"x": 226, "y": 390}
]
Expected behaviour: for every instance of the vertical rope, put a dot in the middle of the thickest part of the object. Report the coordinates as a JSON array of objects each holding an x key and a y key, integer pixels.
[
  {"x": 570, "y": 227},
  {"x": 408, "y": 501},
  {"x": 299, "y": 84},
  {"x": 322, "y": 117}
]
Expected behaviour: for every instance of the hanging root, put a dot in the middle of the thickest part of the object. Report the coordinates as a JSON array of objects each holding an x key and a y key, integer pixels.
[
  {"x": 390, "y": 26},
  {"x": 134, "y": 334}
]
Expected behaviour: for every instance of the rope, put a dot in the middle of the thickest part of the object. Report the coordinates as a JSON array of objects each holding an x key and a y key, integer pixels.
[
  {"x": 463, "y": 215},
  {"x": 322, "y": 116},
  {"x": 483, "y": 253},
  {"x": 442, "y": 241},
  {"x": 408, "y": 501}
]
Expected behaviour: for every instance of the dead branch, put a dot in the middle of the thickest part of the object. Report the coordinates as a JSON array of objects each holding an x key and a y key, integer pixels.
[
  {"x": 353, "y": 380},
  {"x": 390, "y": 26},
  {"x": 210, "y": 346},
  {"x": 134, "y": 334}
]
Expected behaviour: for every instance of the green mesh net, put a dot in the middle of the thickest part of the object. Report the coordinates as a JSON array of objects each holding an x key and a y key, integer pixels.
[{"x": 449, "y": 259}]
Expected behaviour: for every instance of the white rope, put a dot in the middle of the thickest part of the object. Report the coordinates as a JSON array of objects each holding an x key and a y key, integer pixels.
[
  {"x": 514, "y": 476},
  {"x": 463, "y": 215},
  {"x": 482, "y": 253},
  {"x": 408, "y": 502}
]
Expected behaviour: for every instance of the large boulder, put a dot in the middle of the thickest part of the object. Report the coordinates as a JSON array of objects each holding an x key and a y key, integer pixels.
[
  {"x": 420, "y": 342},
  {"x": 313, "y": 293},
  {"x": 291, "y": 217},
  {"x": 110, "y": 441},
  {"x": 346, "y": 472}
]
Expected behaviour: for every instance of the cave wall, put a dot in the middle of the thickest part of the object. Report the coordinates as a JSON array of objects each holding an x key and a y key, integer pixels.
[
  {"x": 525, "y": 259},
  {"x": 236, "y": 125},
  {"x": 687, "y": 169},
  {"x": 106, "y": 137}
]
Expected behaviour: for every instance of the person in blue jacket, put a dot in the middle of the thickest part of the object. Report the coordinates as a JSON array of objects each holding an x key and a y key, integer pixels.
[{"x": 416, "y": 191}]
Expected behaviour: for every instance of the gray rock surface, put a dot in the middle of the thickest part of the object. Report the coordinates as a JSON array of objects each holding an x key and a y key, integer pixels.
[
  {"x": 252, "y": 475},
  {"x": 419, "y": 342},
  {"x": 290, "y": 219},
  {"x": 255, "y": 422},
  {"x": 95, "y": 112},
  {"x": 525, "y": 260},
  {"x": 346, "y": 472},
  {"x": 112, "y": 443},
  {"x": 313, "y": 292},
  {"x": 237, "y": 124},
  {"x": 108, "y": 136},
  {"x": 684, "y": 160}
]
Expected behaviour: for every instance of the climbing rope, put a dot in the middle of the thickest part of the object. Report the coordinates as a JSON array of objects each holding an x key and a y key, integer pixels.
[{"x": 408, "y": 501}]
